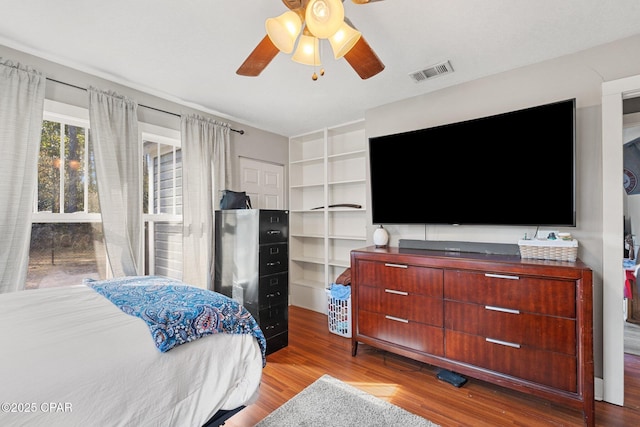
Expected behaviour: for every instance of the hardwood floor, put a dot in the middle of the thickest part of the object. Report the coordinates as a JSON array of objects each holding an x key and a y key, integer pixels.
[{"x": 314, "y": 351}]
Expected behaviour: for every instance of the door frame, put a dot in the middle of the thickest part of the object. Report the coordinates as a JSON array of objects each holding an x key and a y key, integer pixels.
[{"x": 613, "y": 93}]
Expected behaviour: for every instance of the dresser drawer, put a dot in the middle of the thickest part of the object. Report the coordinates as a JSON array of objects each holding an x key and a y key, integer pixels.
[
  {"x": 401, "y": 277},
  {"x": 531, "y": 294},
  {"x": 414, "y": 307},
  {"x": 274, "y": 258},
  {"x": 549, "y": 333},
  {"x": 543, "y": 367},
  {"x": 402, "y": 332},
  {"x": 274, "y": 226}
]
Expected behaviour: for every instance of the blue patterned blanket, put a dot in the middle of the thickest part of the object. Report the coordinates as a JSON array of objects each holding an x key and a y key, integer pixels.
[{"x": 177, "y": 313}]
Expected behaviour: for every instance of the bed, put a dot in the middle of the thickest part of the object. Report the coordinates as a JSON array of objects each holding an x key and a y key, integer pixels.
[{"x": 71, "y": 356}]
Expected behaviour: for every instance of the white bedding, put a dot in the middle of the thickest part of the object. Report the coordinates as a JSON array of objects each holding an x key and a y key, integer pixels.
[{"x": 69, "y": 357}]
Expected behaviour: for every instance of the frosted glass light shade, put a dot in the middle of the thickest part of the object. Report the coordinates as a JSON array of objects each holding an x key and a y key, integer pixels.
[
  {"x": 307, "y": 52},
  {"x": 343, "y": 40},
  {"x": 324, "y": 17},
  {"x": 283, "y": 30}
]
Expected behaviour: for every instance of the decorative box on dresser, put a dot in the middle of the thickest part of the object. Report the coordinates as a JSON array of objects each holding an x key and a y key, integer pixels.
[
  {"x": 520, "y": 323},
  {"x": 251, "y": 266}
]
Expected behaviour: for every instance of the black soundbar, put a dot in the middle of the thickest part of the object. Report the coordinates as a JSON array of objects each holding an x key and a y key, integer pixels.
[{"x": 453, "y": 246}]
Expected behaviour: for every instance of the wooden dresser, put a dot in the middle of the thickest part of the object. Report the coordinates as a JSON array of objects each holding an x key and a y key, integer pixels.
[{"x": 522, "y": 324}]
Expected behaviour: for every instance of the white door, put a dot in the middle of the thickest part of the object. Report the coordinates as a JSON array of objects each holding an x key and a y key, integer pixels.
[{"x": 263, "y": 182}]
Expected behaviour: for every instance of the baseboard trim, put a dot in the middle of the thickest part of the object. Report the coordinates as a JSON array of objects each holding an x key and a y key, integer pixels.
[{"x": 598, "y": 389}]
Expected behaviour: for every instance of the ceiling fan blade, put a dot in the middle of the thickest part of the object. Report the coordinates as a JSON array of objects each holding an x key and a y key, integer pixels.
[
  {"x": 364, "y": 60},
  {"x": 295, "y": 4},
  {"x": 258, "y": 60}
]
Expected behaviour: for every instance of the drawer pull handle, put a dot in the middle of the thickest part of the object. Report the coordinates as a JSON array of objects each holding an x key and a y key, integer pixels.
[
  {"x": 502, "y": 309},
  {"x": 397, "y": 319},
  {"x": 387, "y": 264},
  {"x": 501, "y": 276},
  {"x": 272, "y": 232},
  {"x": 392, "y": 291},
  {"x": 272, "y": 264},
  {"x": 508, "y": 344}
]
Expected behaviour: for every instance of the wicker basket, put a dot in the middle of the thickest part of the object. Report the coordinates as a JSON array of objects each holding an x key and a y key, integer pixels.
[{"x": 558, "y": 250}]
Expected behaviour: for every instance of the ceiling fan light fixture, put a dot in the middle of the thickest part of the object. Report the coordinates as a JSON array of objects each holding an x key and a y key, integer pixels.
[
  {"x": 284, "y": 30},
  {"x": 343, "y": 40},
  {"x": 307, "y": 52},
  {"x": 324, "y": 17}
]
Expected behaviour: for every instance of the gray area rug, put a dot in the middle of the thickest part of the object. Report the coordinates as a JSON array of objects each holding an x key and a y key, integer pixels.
[{"x": 329, "y": 402}]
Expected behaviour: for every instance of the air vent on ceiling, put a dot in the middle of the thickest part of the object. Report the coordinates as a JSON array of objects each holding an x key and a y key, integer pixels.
[{"x": 432, "y": 71}]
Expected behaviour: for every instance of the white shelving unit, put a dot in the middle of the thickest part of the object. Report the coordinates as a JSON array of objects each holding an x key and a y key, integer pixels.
[{"x": 326, "y": 167}]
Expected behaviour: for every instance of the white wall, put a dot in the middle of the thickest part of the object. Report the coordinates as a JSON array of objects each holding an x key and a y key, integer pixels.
[{"x": 577, "y": 76}]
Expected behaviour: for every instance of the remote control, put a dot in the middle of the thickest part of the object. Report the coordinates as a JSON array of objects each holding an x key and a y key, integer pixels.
[{"x": 451, "y": 377}]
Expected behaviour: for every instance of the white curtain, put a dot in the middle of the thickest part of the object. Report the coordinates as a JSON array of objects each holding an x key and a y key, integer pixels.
[
  {"x": 114, "y": 135},
  {"x": 205, "y": 161},
  {"x": 21, "y": 108}
]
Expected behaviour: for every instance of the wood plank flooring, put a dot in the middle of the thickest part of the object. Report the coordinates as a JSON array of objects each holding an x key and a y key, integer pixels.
[{"x": 314, "y": 351}]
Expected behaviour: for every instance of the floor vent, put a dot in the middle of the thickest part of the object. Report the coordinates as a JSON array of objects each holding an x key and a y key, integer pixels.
[{"x": 432, "y": 71}]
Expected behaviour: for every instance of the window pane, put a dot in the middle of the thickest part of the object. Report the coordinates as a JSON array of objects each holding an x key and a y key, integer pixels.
[
  {"x": 162, "y": 178},
  {"x": 171, "y": 182},
  {"x": 49, "y": 168},
  {"x": 74, "y": 169},
  {"x": 164, "y": 249},
  {"x": 62, "y": 254}
]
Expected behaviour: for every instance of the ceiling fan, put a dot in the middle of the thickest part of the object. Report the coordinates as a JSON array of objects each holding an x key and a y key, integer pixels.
[{"x": 307, "y": 21}]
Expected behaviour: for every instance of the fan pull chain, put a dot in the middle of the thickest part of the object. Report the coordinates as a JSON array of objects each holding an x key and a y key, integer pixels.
[{"x": 314, "y": 76}]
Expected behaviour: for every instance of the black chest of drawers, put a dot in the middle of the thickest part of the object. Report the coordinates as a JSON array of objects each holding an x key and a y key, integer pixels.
[{"x": 251, "y": 266}]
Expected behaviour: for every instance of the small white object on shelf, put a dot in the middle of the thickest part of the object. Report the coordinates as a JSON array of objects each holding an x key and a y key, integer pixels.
[
  {"x": 559, "y": 250},
  {"x": 380, "y": 237}
]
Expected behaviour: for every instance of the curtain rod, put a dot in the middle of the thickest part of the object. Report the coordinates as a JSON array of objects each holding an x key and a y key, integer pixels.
[{"x": 240, "y": 131}]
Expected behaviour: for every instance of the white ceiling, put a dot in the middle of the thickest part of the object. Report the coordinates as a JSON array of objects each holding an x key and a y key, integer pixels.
[{"x": 188, "y": 50}]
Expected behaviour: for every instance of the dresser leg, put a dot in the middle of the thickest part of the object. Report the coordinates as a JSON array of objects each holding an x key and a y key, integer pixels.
[{"x": 354, "y": 348}]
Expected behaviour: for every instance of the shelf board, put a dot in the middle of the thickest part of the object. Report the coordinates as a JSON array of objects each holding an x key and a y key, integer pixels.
[
  {"x": 347, "y": 154},
  {"x": 309, "y": 160},
  {"x": 307, "y": 210},
  {"x": 307, "y": 283},
  {"x": 339, "y": 263},
  {"x": 358, "y": 238},
  {"x": 308, "y": 260},
  {"x": 315, "y": 184},
  {"x": 348, "y": 181},
  {"x": 355, "y": 210},
  {"x": 308, "y": 236}
]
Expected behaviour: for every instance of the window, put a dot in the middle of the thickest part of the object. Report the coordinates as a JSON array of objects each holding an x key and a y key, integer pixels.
[
  {"x": 162, "y": 201},
  {"x": 67, "y": 243},
  {"x": 66, "y": 232}
]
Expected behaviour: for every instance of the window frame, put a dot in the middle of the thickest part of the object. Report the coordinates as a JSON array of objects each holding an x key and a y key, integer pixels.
[
  {"x": 78, "y": 116},
  {"x": 165, "y": 136},
  {"x": 74, "y": 116}
]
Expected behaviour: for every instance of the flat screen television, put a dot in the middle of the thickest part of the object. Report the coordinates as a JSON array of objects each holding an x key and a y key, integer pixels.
[{"x": 515, "y": 168}]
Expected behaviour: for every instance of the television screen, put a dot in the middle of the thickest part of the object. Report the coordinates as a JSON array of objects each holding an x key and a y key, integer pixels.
[{"x": 516, "y": 168}]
